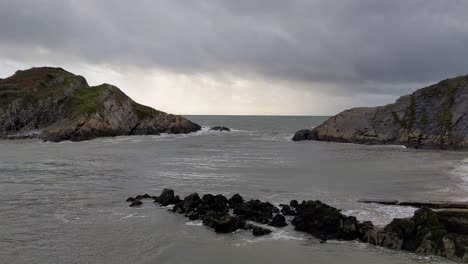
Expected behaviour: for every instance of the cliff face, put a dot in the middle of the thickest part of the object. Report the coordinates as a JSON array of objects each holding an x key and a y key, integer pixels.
[
  {"x": 431, "y": 117},
  {"x": 55, "y": 105}
]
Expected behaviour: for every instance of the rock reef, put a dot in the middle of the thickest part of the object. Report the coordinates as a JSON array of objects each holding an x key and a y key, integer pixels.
[
  {"x": 55, "y": 105},
  {"x": 442, "y": 233},
  {"x": 431, "y": 117}
]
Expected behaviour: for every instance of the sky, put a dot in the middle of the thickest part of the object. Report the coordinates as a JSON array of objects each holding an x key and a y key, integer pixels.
[{"x": 246, "y": 57}]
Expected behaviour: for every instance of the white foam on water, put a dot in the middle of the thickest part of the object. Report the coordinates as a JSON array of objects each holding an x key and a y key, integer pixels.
[
  {"x": 381, "y": 215},
  {"x": 195, "y": 223}
]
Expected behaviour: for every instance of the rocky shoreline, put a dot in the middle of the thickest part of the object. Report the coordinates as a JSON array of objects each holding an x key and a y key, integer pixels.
[
  {"x": 442, "y": 233},
  {"x": 434, "y": 117},
  {"x": 55, "y": 105}
]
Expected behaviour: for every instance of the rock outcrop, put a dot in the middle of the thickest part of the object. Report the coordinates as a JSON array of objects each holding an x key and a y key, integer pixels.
[
  {"x": 430, "y": 232},
  {"x": 431, "y": 117},
  {"x": 55, "y": 105}
]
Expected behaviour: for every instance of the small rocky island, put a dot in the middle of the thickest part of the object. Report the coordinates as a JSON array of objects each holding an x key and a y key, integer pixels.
[
  {"x": 431, "y": 232},
  {"x": 55, "y": 105},
  {"x": 431, "y": 117}
]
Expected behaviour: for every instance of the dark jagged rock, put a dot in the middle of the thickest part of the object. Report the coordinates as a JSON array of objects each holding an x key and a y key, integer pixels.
[
  {"x": 217, "y": 203},
  {"x": 167, "y": 197},
  {"x": 220, "y": 128},
  {"x": 278, "y": 221},
  {"x": 260, "y": 231},
  {"x": 304, "y": 134},
  {"x": 191, "y": 202},
  {"x": 286, "y": 210},
  {"x": 179, "y": 208},
  {"x": 131, "y": 199},
  {"x": 256, "y": 210},
  {"x": 324, "y": 221},
  {"x": 235, "y": 201},
  {"x": 431, "y": 117},
  {"x": 228, "y": 224},
  {"x": 55, "y": 105},
  {"x": 136, "y": 203}
]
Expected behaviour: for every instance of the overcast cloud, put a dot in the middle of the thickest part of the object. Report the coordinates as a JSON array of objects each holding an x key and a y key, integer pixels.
[{"x": 241, "y": 57}]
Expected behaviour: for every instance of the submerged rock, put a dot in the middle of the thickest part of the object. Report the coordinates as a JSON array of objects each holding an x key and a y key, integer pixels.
[
  {"x": 260, "y": 231},
  {"x": 431, "y": 117},
  {"x": 220, "y": 128},
  {"x": 136, "y": 203}
]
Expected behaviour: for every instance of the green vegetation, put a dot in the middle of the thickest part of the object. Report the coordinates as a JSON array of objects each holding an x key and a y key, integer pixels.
[{"x": 85, "y": 101}]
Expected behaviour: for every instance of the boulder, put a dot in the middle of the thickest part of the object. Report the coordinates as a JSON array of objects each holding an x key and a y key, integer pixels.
[
  {"x": 286, "y": 210},
  {"x": 304, "y": 134},
  {"x": 235, "y": 201},
  {"x": 324, "y": 221},
  {"x": 293, "y": 203},
  {"x": 167, "y": 197},
  {"x": 216, "y": 203},
  {"x": 191, "y": 202},
  {"x": 278, "y": 221},
  {"x": 256, "y": 210}
]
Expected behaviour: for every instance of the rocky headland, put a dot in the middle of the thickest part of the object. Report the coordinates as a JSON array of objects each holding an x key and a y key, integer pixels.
[
  {"x": 430, "y": 232},
  {"x": 431, "y": 117},
  {"x": 55, "y": 105}
]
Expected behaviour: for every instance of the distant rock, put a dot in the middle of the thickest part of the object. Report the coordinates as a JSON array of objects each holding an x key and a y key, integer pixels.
[
  {"x": 55, "y": 105},
  {"x": 431, "y": 117},
  {"x": 220, "y": 128}
]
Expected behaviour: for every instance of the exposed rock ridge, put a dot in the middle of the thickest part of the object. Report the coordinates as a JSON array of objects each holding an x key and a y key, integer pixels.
[
  {"x": 55, "y": 105},
  {"x": 431, "y": 117},
  {"x": 443, "y": 232}
]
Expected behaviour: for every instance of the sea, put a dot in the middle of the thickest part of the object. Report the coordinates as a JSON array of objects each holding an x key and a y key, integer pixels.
[{"x": 65, "y": 202}]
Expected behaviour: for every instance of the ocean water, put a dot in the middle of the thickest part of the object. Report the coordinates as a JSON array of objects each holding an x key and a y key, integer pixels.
[{"x": 65, "y": 202}]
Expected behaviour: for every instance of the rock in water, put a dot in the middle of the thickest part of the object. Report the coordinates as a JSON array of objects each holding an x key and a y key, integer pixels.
[
  {"x": 167, "y": 197},
  {"x": 55, "y": 105},
  {"x": 432, "y": 117},
  {"x": 304, "y": 134},
  {"x": 260, "y": 231},
  {"x": 324, "y": 221},
  {"x": 220, "y": 128},
  {"x": 278, "y": 221},
  {"x": 235, "y": 201},
  {"x": 136, "y": 203}
]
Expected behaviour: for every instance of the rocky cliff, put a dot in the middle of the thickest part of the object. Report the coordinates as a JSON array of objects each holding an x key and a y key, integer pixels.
[
  {"x": 431, "y": 117},
  {"x": 55, "y": 105}
]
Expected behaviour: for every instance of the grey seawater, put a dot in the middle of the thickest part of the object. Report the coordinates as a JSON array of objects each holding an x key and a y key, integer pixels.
[{"x": 65, "y": 202}]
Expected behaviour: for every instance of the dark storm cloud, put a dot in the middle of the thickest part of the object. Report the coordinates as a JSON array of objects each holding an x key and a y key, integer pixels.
[{"x": 357, "y": 45}]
